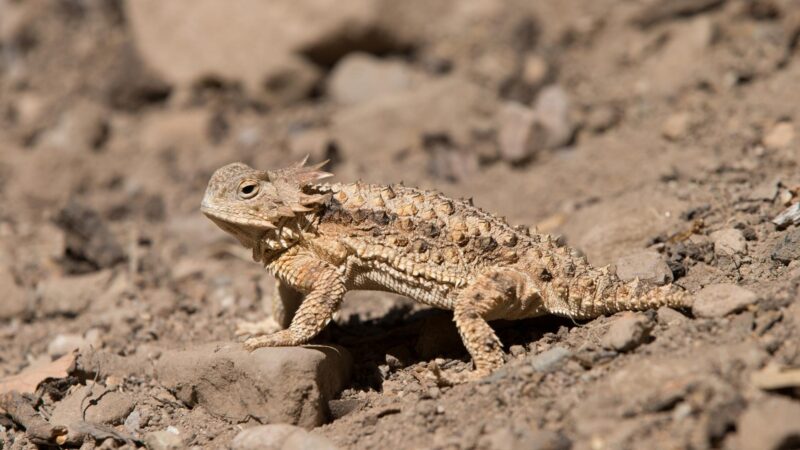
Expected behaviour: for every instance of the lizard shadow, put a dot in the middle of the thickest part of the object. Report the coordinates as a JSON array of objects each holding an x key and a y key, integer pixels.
[{"x": 407, "y": 335}]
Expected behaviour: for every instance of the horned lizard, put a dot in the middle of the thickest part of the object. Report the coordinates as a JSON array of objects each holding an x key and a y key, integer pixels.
[{"x": 323, "y": 240}]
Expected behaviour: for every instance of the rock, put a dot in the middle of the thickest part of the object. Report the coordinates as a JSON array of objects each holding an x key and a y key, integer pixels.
[
  {"x": 360, "y": 77},
  {"x": 551, "y": 359},
  {"x": 307, "y": 441},
  {"x": 602, "y": 118},
  {"x": 676, "y": 126},
  {"x": 438, "y": 337},
  {"x": 267, "y": 50},
  {"x": 627, "y": 332},
  {"x": 90, "y": 244},
  {"x": 646, "y": 265},
  {"x": 163, "y": 440},
  {"x": 63, "y": 344},
  {"x": 399, "y": 121},
  {"x": 770, "y": 424},
  {"x": 719, "y": 300},
  {"x": 13, "y": 298},
  {"x": 729, "y": 242},
  {"x": 93, "y": 403},
  {"x": 552, "y": 109},
  {"x": 279, "y": 437},
  {"x": 788, "y": 249},
  {"x": 285, "y": 384},
  {"x": 70, "y": 296},
  {"x": 521, "y": 133},
  {"x": 790, "y": 215},
  {"x": 669, "y": 316},
  {"x": 779, "y": 136}
]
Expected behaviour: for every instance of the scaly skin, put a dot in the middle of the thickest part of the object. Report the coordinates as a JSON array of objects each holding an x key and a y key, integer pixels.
[{"x": 322, "y": 240}]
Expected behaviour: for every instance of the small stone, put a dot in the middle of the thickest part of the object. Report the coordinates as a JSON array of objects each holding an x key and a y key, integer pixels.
[
  {"x": 267, "y": 437},
  {"x": 719, "y": 300},
  {"x": 770, "y": 425},
  {"x": 63, "y": 344},
  {"x": 517, "y": 350},
  {"x": 551, "y": 359},
  {"x": 521, "y": 134},
  {"x": 133, "y": 423},
  {"x": 360, "y": 77},
  {"x": 552, "y": 109},
  {"x": 779, "y": 136},
  {"x": 627, "y": 332},
  {"x": 535, "y": 70},
  {"x": 307, "y": 441},
  {"x": 602, "y": 118},
  {"x": 669, "y": 316},
  {"x": 648, "y": 266},
  {"x": 790, "y": 215},
  {"x": 676, "y": 126},
  {"x": 729, "y": 242},
  {"x": 163, "y": 440},
  {"x": 788, "y": 248}
]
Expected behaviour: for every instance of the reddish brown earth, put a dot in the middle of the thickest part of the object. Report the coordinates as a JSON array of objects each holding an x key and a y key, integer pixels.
[{"x": 661, "y": 137}]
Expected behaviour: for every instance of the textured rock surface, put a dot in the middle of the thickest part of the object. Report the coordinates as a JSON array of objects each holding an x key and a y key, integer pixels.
[
  {"x": 719, "y": 300},
  {"x": 275, "y": 385}
]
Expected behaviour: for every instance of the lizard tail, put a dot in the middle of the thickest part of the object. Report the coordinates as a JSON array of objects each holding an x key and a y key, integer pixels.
[{"x": 638, "y": 296}]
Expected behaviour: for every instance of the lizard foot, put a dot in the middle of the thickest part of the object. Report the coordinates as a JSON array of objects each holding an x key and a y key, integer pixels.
[
  {"x": 283, "y": 338},
  {"x": 266, "y": 326}
]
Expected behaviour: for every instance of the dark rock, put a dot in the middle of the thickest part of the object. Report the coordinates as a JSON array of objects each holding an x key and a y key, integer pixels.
[{"x": 90, "y": 245}]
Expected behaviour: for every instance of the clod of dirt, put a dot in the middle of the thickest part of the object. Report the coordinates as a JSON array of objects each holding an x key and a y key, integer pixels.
[
  {"x": 552, "y": 107},
  {"x": 677, "y": 126},
  {"x": 788, "y": 249},
  {"x": 521, "y": 133},
  {"x": 719, "y": 300},
  {"x": 14, "y": 298},
  {"x": 669, "y": 316},
  {"x": 70, "y": 296},
  {"x": 64, "y": 343},
  {"x": 729, "y": 242},
  {"x": 627, "y": 332},
  {"x": 163, "y": 440},
  {"x": 284, "y": 384},
  {"x": 90, "y": 245},
  {"x": 279, "y": 437},
  {"x": 646, "y": 265},
  {"x": 360, "y": 77},
  {"x": 551, "y": 359},
  {"x": 770, "y": 425}
]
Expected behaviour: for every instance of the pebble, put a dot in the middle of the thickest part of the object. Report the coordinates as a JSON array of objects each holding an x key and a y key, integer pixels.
[
  {"x": 779, "y": 136},
  {"x": 676, "y": 126},
  {"x": 552, "y": 109},
  {"x": 535, "y": 70},
  {"x": 163, "y": 440},
  {"x": 551, "y": 359},
  {"x": 521, "y": 133},
  {"x": 729, "y": 242},
  {"x": 788, "y": 248},
  {"x": 63, "y": 344},
  {"x": 669, "y": 316},
  {"x": 647, "y": 265},
  {"x": 770, "y": 424},
  {"x": 361, "y": 77},
  {"x": 719, "y": 300},
  {"x": 627, "y": 332}
]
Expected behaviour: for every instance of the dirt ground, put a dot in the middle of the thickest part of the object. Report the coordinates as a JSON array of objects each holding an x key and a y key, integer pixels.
[{"x": 660, "y": 137}]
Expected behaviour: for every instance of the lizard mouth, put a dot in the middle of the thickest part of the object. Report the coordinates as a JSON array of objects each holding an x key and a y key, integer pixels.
[{"x": 218, "y": 216}]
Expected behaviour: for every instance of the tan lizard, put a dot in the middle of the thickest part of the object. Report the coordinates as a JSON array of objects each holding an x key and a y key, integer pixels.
[{"x": 323, "y": 240}]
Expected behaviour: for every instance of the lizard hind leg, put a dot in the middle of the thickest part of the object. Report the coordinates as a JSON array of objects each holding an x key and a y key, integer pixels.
[{"x": 482, "y": 299}]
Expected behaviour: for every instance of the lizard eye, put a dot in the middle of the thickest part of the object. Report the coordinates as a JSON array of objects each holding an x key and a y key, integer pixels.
[{"x": 248, "y": 189}]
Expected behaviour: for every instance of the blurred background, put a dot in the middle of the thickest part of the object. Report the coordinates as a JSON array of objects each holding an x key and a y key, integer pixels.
[{"x": 625, "y": 126}]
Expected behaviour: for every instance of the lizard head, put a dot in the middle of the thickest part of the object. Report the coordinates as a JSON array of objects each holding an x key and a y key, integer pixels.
[{"x": 251, "y": 203}]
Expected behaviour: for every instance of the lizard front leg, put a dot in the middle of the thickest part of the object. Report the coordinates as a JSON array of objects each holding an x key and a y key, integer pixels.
[{"x": 325, "y": 287}]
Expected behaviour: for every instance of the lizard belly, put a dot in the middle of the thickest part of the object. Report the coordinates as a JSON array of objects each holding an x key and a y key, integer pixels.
[{"x": 382, "y": 280}]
